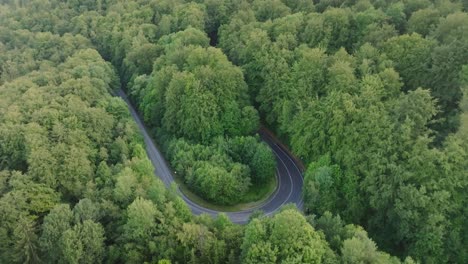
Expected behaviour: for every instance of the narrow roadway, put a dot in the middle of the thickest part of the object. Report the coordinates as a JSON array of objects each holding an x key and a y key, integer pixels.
[{"x": 289, "y": 175}]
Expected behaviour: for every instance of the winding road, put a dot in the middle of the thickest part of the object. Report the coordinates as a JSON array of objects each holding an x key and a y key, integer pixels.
[{"x": 289, "y": 175}]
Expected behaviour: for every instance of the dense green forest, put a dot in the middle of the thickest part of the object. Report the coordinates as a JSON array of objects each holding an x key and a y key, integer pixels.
[{"x": 371, "y": 95}]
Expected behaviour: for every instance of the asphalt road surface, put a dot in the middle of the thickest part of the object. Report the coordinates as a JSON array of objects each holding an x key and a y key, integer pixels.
[{"x": 289, "y": 175}]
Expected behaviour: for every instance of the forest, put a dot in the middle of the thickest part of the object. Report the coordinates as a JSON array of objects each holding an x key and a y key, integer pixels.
[{"x": 371, "y": 96}]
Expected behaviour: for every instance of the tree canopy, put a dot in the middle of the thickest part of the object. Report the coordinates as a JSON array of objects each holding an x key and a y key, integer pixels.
[{"x": 371, "y": 95}]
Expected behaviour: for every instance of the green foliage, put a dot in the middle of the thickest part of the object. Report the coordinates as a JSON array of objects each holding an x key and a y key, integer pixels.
[
  {"x": 371, "y": 95},
  {"x": 216, "y": 184},
  {"x": 223, "y": 171},
  {"x": 349, "y": 241},
  {"x": 360, "y": 249},
  {"x": 71, "y": 141},
  {"x": 196, "y": 94},
  {"x": 285, "y": 237},
  {"x": 269, "y": 9},
  {"x": 323, "y": 182},
  {"x": 263, "y": 164},
  {"x": 411, "y": 54},
  {"x": 55, "y": 224},
  {"x": 201, "y": 95},
  {"x": 423, "y": 21},
  {"x": 350, "y": 110},
  {"x": 65, "y": 239},
  {"x": 25, "y": 242}
]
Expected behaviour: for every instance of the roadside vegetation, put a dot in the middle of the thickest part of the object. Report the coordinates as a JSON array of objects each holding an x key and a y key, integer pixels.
[{"x": 371, "y": 95}]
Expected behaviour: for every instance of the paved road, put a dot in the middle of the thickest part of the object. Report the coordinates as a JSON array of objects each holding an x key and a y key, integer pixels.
[{"x": 288, "y": 172}]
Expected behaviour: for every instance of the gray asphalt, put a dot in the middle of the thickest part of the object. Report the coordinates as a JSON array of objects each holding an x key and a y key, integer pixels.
[{"x": 289, "y": 175}]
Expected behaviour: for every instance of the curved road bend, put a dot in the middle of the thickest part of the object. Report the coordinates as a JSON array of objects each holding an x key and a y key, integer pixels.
[{"x": 289, "y": 175}]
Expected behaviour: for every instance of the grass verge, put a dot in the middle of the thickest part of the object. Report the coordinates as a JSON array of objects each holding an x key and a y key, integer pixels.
[{"x": 253, "y": 198}]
